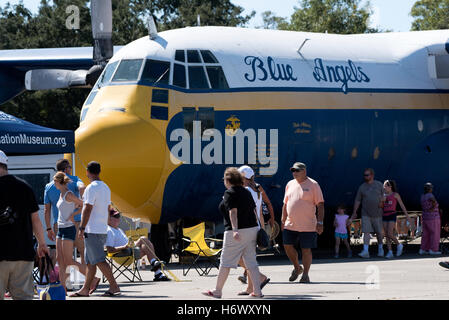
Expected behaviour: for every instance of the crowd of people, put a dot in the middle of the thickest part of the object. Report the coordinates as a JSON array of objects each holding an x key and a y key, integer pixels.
[{"x": 84, "y": 218}]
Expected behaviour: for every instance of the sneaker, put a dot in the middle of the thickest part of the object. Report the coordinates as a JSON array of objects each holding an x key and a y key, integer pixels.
[
  {"x": 380, "y": 252},
  {"x": 156, "y": 265},
  {"x": 242, "y": 279},
  {"x": 295, "y": 274},
  {"x": 434, "y": 253},
  {"x": 421, "y": 252},
  {"x": 161, "y": 277},
  {"x": 304, "y": 279},
  {"x": 364, "y": 254},
  {"x": 350, "y": 254},
  {"x": 444, "y": 264},
  {"x": 389, "y": 255},
  {"x": 399, "y": 251}
]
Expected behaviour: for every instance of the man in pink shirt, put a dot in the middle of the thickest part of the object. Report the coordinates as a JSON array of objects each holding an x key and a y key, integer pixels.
[{"x": 300, "y": 223}]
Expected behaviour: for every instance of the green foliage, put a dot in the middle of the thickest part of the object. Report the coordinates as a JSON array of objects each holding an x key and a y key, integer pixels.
[
  {"x": 270, "y": 21},
  {"x": 20, "y": 29},
  {"x": 332, "y": 16},
  {"x": 430, "y": 15}
]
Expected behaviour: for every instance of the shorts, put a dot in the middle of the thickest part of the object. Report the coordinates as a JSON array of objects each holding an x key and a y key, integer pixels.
[
  {"x": 244, "y": 248},
  {"x": 306, "y": 240},
  {"x": 390, "y": 218},
  {"x": 372, "y": 224},
  {"x": 341, "y": 235},
  {"x": 68, "y": 233},
  {"x": 94, "y": 248},
  {"x": 135, "y": 252},
  {"x": 16, "y": 277}
]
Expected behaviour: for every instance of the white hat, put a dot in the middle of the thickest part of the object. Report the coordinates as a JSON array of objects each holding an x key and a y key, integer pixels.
[
  {"x": 3, "y": 157},
  {"x": 247, "y": 172}
]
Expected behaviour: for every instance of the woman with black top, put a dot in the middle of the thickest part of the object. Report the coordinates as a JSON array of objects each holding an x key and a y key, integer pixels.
[{"x": 240, "y": 233}]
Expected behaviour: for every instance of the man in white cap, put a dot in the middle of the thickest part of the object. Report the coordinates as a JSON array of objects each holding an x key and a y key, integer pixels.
[{"x": 19, "y": 219}]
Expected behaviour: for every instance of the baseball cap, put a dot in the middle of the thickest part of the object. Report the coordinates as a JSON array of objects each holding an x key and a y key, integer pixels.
[
  {"x": 114, "y": 213},
  {"x": 298, "y": 166},
  {"x": 428, "y": 185},
  {"x": 3, "y": 157},
  {"x": 246, "y": 171}
]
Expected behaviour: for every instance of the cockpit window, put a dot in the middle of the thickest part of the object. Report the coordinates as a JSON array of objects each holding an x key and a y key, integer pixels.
[
  {"x": 203, "y": 70},
  {"x": 179, "y": 56},
  {"x": 208, "y": 57},
  {"x": 193, "y": 56},
  {"x": 197, "y": 78},
  {"x": 217, "y": 78},
  {"x": 107, "y": 74},
  {"x": 128, "y": 70},
  {"x": 179, "y": 76},
  {"x": 156, "y": 71}
]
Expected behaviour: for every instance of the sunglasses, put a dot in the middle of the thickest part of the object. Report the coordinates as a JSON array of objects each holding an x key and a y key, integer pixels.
[
  {"x": 367, "y": 175},
  {"x": 296, "y": 170}
]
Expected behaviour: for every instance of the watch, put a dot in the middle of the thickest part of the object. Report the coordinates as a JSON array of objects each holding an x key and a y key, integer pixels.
[{"x": 82, "y": 228}]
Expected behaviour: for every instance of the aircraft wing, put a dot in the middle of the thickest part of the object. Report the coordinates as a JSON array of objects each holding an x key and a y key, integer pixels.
[{"x": 14, "y": 64}]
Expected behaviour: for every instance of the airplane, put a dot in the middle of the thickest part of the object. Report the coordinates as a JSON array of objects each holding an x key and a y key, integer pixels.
[{"x": 163, "y": 115}]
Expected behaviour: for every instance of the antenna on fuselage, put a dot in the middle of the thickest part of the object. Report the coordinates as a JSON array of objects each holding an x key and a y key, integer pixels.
[
  {"x": 152, "y": 30},
  {"x": 300, "y": 48}
]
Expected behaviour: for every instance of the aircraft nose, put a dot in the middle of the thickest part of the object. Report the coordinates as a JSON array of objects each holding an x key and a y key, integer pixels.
[{"x": 131, "y": 153}]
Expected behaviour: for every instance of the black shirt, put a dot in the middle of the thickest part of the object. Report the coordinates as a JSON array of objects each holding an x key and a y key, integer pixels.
[
  {"x": 16, "y": 239},
  {"x": 241, "y": 199}
]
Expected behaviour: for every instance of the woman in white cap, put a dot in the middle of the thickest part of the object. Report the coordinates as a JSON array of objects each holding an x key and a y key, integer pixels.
[{"x": 259, "y": 195}]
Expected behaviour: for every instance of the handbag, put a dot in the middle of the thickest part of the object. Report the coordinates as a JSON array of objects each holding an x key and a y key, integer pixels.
[
  {"x": 46, "y": 289},
  {"x": 263, "y": 240}
]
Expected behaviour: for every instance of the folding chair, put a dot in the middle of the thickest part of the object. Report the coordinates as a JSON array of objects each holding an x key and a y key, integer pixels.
[
  {"x": 127, "y": 265},
  {"x": 198, "y": 248}
]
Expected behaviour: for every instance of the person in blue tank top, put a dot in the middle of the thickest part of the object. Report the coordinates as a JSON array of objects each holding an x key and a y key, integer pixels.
[{"x": 51, "y": 197}]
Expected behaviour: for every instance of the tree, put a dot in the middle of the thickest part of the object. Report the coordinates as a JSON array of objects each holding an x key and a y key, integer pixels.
[
  {"x": 333, "y": 16},
  {"x": 270, "y": 21},
  {"x": 20, "y": 29},
  {"x": 430, "y": 15}
]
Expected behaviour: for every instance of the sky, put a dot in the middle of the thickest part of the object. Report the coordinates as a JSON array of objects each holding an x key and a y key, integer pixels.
[{"x": 391, "y": 15}]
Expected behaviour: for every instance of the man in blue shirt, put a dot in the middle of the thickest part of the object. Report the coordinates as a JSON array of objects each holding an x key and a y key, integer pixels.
[{"x": 51, "y": 197}]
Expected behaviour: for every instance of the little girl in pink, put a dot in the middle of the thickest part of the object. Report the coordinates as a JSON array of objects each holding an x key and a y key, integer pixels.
[{"x": 341, "y": 230}]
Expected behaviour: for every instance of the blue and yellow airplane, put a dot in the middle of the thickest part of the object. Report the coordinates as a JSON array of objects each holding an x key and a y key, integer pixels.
[{"x": 159, "y": 115}]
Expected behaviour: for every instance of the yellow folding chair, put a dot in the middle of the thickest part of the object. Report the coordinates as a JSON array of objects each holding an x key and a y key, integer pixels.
[
  {"x": 126, "y": 265},
  {"x": 199, "y": 248}
]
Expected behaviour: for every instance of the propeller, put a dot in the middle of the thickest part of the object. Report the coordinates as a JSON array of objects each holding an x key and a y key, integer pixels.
[{"x": 101, "y": 18}]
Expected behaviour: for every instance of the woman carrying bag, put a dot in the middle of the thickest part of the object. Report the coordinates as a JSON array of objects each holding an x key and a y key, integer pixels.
[
  {"x": 240, "y": 233},
  {"x": 257, "y": 194}
]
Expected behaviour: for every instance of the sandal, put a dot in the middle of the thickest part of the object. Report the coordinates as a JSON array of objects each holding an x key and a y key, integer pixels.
[
  {"x": 111, "y": 294},
  {"x": 243, "y": 293},
  {"x": 95, "y": 286},
  {"x": 209, "y": 293},
  {"x": 255, "y": 295},
  {"x": 78, "y": 295},
  {"x": 264, "y": 283}
]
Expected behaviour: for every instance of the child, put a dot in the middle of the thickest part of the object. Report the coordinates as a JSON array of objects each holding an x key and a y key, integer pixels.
[{"x": 341, "y": 230}]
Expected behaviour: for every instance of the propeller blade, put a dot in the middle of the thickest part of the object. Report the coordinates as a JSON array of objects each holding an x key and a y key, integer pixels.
[
  {"x": 44, "y": 79},
  {"x": 101, "y": 17}
]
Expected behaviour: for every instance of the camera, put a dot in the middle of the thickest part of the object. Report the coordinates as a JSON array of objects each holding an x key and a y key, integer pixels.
[{"x": 7, "y": 216}]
